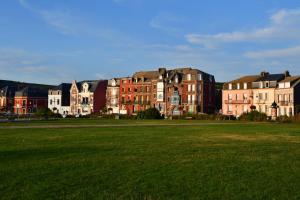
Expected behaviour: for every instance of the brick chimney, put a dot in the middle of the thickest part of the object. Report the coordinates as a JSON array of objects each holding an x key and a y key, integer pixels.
[
  {"x": 264, "y": 74},
  {"x": 287, "y": 74}
]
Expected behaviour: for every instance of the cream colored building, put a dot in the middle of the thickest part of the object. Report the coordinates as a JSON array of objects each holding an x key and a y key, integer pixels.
[
  {"x": 264, "y": 91},
  {"x": 287, "y": 96}
]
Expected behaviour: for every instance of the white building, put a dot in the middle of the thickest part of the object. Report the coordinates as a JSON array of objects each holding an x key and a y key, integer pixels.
[
  {"x": 59, "y": 99},
  {"x": 112, "y": 96}
]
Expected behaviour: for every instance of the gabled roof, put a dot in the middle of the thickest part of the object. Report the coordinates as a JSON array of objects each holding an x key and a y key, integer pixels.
[
  {"x": 246, "y": 79},
  {"x": 290, "y": 79}
]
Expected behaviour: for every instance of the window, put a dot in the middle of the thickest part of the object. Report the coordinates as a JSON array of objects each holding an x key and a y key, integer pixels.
[
  {"x": 57, "y": 101},
  {"x": 189, "y": 77},
  {"x": 189, "y": 98},
  {"x": 200, "y": 77},
  {"x": 267, "y": 84},
  {"x": 245, "y": 86},
  {"x": 189, "y": 88},
  {"x": 193, "y": 87},
  {"x": 230, "y": 86},
  {"x": 51, "y": 101},
  {"x": 24, "y": 103},
  {"x": 230, "y": 97},
  {"x": 238, "y": 86},
  {"x": 266, "y": 96}
]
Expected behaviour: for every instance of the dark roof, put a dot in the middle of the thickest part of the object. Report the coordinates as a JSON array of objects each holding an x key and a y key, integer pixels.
[
  {"x": 32, "y": 92},
  {"x": 8, "y": 91},
  {"x": 271, "y": 77},
  {"x": 63, "y": 86}
]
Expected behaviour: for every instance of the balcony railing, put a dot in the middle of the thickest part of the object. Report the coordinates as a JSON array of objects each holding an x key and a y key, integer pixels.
[
  {"x": 245, "y": 101},
  {"x": 285, "y": 103},
  {"x": 190, "y": 102}
]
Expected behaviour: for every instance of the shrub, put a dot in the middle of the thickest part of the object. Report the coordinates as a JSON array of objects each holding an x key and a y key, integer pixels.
[
  {"x": 151, "y": 113},
  {"x": 254, "y": 116},
  {"x": 284, "y": 119},
  {"x": 296, "y": 118}
]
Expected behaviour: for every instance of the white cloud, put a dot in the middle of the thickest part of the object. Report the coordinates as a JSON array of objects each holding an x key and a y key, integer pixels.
[
  {"x": 284, "y": 25},
  {"x": 275, "y": 53}
]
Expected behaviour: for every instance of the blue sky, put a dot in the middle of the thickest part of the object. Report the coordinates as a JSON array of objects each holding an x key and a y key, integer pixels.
[{"x": 53, "y": 41}]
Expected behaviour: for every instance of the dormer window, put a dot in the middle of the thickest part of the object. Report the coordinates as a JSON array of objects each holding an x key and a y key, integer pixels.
[
  {"x": 267, "y": 84},
  {"x": 176, "y": 79},
  {"x": 200, "y": 77},
  {"x": 230, "y": 86},
  {"x": 245, "y": 86},
  {"x": 238, "y": 86},
  {"x": 160, "y": 77},
  {"x": 189, "y": 77}
]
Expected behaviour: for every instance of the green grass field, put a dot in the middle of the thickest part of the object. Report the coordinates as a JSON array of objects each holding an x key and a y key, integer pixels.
[{"x": 209, "y": 161}]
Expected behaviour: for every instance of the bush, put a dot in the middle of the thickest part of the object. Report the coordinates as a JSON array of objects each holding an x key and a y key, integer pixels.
[
  {"x": 296, "y": 118},
  {"x": 46, "y": 113},
  {"x": 151, "y": 113},
  {"x": 284, "y": 119},
  {"x": 130, "y": 117},
  {"x": 254, "y": 116}
]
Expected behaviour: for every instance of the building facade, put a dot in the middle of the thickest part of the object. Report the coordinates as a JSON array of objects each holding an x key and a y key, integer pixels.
[
  {"x": 172, "y": 92},
  {"x": 112, "y": 96},
  {"x": 260, "y": 93},
  {"x": 287, "y": 96},
  {"x": 30, "y": 100},
  {"x": 7, "y": 95},
  {"x": 59, "y": 99},
  {"x": 87, "y": 97},
  {"x": 237, "y": 96}
]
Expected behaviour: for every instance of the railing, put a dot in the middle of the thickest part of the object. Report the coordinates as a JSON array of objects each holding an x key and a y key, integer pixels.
[
  {"x": 285, "y": 103},
  {"x": 245, "y": 101},
  {"x": 190, "y": 102}
]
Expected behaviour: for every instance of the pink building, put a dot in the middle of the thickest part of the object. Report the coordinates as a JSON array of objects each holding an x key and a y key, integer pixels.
[{"x": 237, "y": 96}]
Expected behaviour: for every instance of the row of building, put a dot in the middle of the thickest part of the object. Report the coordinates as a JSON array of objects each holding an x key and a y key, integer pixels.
[
  {"x": 173, "y": 92},
  {"x": 263, "y": 93}
]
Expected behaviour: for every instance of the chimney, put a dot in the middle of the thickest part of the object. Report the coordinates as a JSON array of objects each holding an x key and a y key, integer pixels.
[
  {"x": 287, "y": 74},
  {"x": 264, "y": 74}
]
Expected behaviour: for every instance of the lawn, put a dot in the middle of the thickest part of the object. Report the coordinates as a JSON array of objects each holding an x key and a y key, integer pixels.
[{"x": 209, "y": 161}]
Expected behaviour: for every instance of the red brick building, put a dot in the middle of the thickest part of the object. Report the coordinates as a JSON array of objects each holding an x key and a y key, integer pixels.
[
  {"x": 172, "y": 92},
  {"x": 30, "y": 99}
]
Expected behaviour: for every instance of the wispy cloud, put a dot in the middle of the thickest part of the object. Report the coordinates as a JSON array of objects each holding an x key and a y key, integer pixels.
[
  {"x": 67, "y": 23},
  {"x": 275, "y": 53},
  {"x": 166, "y": 22},
  {"x": 18, "y": 64},
  {"x": 284, "y": 25}
]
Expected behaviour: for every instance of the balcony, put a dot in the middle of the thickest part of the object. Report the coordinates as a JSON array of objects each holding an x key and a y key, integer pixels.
[
  {"x": 285, "y": 103},
  {"x": 142, "y": 102},
  {"x": 245, "y": 101},
  {"x": 190, "y": 102}
]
